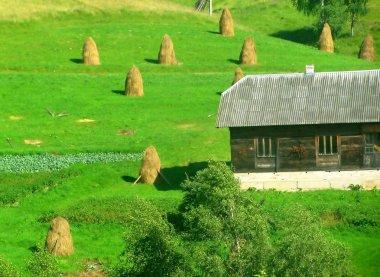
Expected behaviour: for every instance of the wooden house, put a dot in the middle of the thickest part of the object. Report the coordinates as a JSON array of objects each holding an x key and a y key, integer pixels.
[{"x": 302, "y": 122}]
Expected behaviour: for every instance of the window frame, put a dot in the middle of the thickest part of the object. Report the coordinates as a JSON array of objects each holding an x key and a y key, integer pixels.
[
  {"x": 272, "y": 147},
  {"x": 369, "y": 146},
  {"x": 330, "y": 144}
]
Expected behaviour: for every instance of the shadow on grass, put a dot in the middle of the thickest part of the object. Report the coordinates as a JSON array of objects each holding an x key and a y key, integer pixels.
[
  {"x": 117, "y": 91},
  {"x": 304, "y": 35},
  {"x": 213, "y": 32},
  {"x": 128, "y": 179},
  {"x": 76, "y": 61},
  {"x": 234, "y": 61},
  {"x": 176, "y": 175},
  {"x": 151, "y": 61},
  {"x": 219, "y": 92}
]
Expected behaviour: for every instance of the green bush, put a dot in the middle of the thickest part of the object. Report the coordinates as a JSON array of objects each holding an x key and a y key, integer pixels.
[
  {"x": 7, "y": 269},
  {"x": 305, "y": 250},
  {"x": 152, "y": 248},
  {"x": 42, "y": 264}
]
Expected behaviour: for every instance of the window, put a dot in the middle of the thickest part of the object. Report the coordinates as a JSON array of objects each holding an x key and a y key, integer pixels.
[
  {"x": 371, "y": 142},
  {"x": 328, "y": 145},
  {"x": 266, "y": 147}
]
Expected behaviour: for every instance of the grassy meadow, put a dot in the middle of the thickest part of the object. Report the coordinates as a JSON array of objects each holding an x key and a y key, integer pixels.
[{"x": 41, "y": 74}]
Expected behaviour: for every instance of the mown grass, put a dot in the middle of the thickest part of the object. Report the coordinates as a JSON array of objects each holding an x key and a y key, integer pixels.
[{"x": 39, "y": 70}]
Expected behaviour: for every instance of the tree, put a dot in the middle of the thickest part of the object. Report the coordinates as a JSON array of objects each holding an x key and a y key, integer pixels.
[
  {"x": 305, "y": 250},
  {"x": 152, "y": 248},
  {"x": 217, "y": 214},
  {"x": 222, "y": 233},
  {"x": 355, "y": 8},
  {"x": 332, "y": 12}
]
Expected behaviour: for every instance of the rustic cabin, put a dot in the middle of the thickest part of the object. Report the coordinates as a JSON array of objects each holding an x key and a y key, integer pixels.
[{"x": 304, "y": 121}]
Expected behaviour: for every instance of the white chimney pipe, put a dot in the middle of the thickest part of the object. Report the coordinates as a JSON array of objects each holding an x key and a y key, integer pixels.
[{"x": 310, "y": 69}]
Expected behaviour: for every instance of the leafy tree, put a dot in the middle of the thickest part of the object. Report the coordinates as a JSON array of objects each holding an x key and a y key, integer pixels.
[
  {"x": 217, "y": 213},
  {"x": 152, "y": 248},
  {"x": 224, "y": 233},
  {"x": 305, "y": 250},
  {"x": 355, "y": 8},
  {"x": 333, "y": 12},
  {"x": 309, "y": 6}
]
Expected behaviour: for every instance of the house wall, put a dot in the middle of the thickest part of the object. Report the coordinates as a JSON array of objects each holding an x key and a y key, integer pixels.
[{"x": 350, "y": 148}]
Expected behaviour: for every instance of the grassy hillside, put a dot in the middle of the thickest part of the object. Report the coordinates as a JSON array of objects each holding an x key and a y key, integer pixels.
[
  {"x": 280, "y": 19},
  {"x": 40, "y": 70}
]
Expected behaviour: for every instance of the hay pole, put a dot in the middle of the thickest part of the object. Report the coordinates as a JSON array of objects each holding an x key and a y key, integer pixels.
[{"x": 138, "y": 178}]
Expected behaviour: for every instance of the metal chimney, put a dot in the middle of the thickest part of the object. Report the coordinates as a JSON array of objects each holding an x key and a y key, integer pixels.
[{"x": 309, "y": 69}]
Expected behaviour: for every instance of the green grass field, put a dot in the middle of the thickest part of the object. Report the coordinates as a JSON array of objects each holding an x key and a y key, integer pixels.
[{"x": 40, "y": 70}]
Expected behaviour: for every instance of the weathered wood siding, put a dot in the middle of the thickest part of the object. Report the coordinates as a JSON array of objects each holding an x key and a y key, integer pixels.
[
  {"x": 352, "y": 148},
  {"x": 243, "y": 154},
  {"x": 292, "y": 160}
]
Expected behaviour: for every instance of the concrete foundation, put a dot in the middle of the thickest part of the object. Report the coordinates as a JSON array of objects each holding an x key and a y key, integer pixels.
[{"x": 312, "y": 180}]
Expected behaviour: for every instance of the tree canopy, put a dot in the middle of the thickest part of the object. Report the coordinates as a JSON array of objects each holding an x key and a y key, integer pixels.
[
  {"x": 219, "y": 231},
  {"x": 336, "y": 13}
]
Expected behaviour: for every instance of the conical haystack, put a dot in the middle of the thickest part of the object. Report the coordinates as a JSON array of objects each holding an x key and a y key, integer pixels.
[
  {"x": 238, "y": 75},
  {"x": 150, "y": 166},
  {"x": 367, "y": 49},
  {"x": 226, "y": 24},
  {"x": 326, "y": 42},
  {"x": 59, "y": 241},
  {"x": 134, "y": 83},
  {"x": 248, "y": 52},
  {"x": 90, "y": 52},
  {"x": 166, "y": 55}
]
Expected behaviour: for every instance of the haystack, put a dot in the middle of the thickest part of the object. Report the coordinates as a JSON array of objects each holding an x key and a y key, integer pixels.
[
  {"x": 326, "y": 42},
  {"x": 248, "y": 52},
  {"x": 150, "y": 166},
  {"x": 59, "y": 241},
  {"x": 134, "y": 83},
  {"x": 90, "y": 52},
  {"x": 166, "y": 55},
  {"x": 367, "y": 49},
  {"x": 226, "y": 24},
  {"x": 238, "y": 75}
]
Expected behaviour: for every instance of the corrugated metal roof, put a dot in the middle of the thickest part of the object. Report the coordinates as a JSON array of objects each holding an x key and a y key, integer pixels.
[{"x": 296, "y": 99}]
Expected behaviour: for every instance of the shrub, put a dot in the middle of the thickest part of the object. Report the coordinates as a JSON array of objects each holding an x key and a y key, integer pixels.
[
  {"x": 304, "y": 250},
  {"x": 355, "y": 187},
  {"x": 7, "y": 269},
  {"x": 152, "y": 248},
  {"x": 42, "y": 264}
]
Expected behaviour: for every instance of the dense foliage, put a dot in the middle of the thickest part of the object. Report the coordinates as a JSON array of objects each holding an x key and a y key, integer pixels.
[
  {"x": 336, "y": 13},
  {"x": 7, "y": 269},
  {"x": 42, "y": 264},
  {"x": 220, "y": 232},
  {"x": 305, "y": 250}
]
